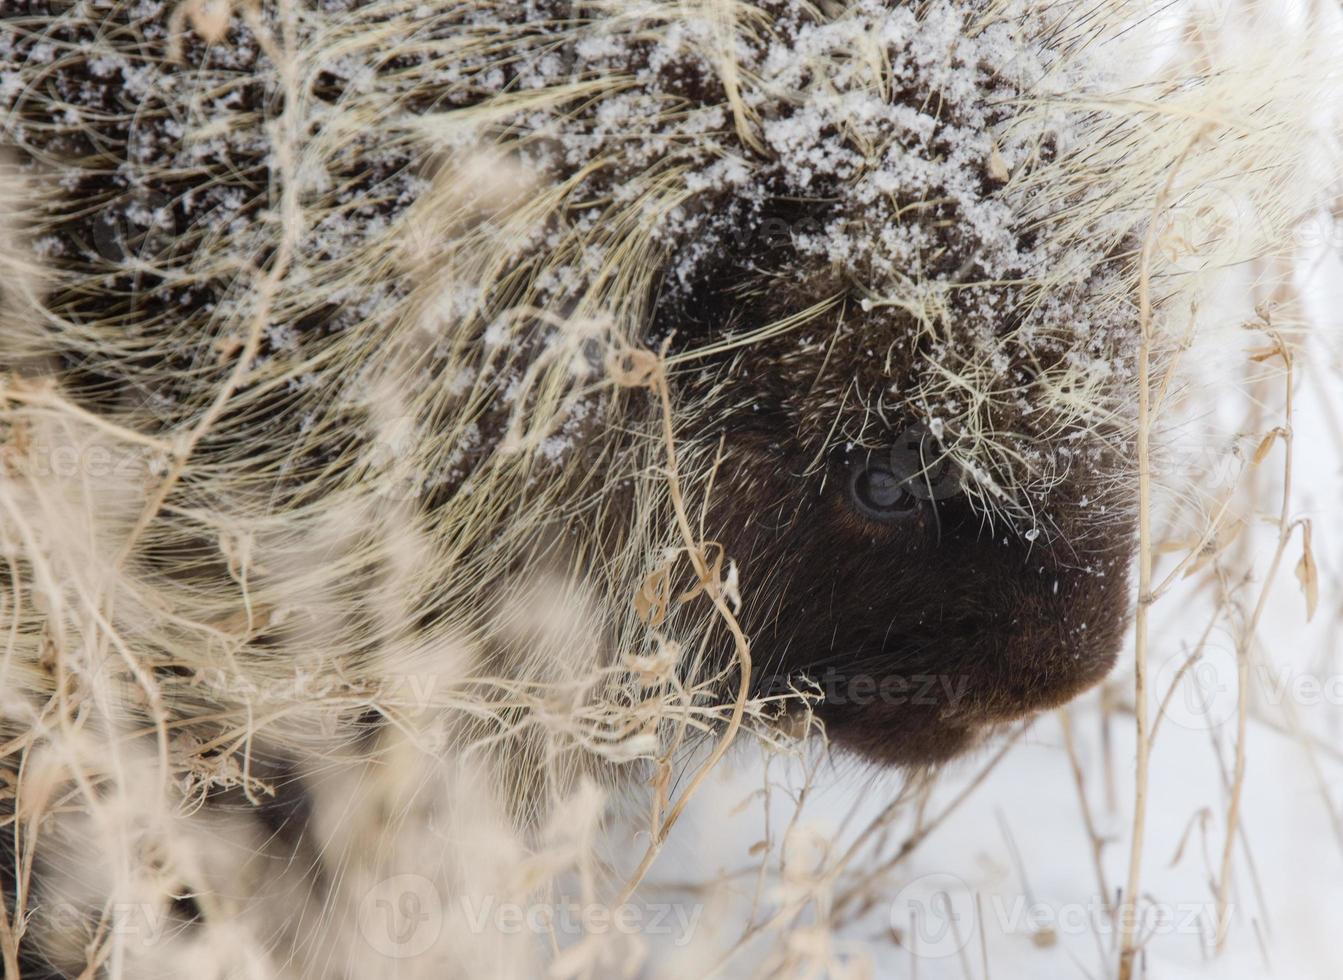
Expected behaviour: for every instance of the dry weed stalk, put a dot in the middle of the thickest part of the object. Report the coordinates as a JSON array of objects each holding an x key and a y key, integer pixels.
[
  {"x": 643, "y": 369},
  {"x": 1246, "y": 635},
  {"x": 1088, "y": 820},
  {"x": 1128, "y": 905}
]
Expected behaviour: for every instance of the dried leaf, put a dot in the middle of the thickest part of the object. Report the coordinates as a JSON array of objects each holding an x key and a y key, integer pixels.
[
  {"x": 1307, "y": 573},
  {"x": 713, "y": 580},
  {"x": 1261, "y": 354},
  {"x": 653, "y": 599},
  {"x": 1265, "y": 446},
  {"x": 1215, "y": 547}
]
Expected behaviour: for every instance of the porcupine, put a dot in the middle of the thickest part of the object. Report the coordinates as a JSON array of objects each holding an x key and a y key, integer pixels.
[{"x": 348, "y": 308}]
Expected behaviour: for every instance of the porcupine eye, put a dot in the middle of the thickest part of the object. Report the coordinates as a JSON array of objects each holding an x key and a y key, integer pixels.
[
  {"x": 888, "y": 488},
  {"x": 879, "y": 494}
]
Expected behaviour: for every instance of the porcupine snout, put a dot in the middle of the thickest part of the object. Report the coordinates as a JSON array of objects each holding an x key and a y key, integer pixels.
[{"x": 920, "y": 624}]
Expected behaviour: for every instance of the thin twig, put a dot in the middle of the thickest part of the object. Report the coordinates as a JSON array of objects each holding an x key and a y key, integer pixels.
[
  {"x": 1128, "y": 945},
  {"x": 1097, "y": 842},
  {"x": 1285, "y": 530}
]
